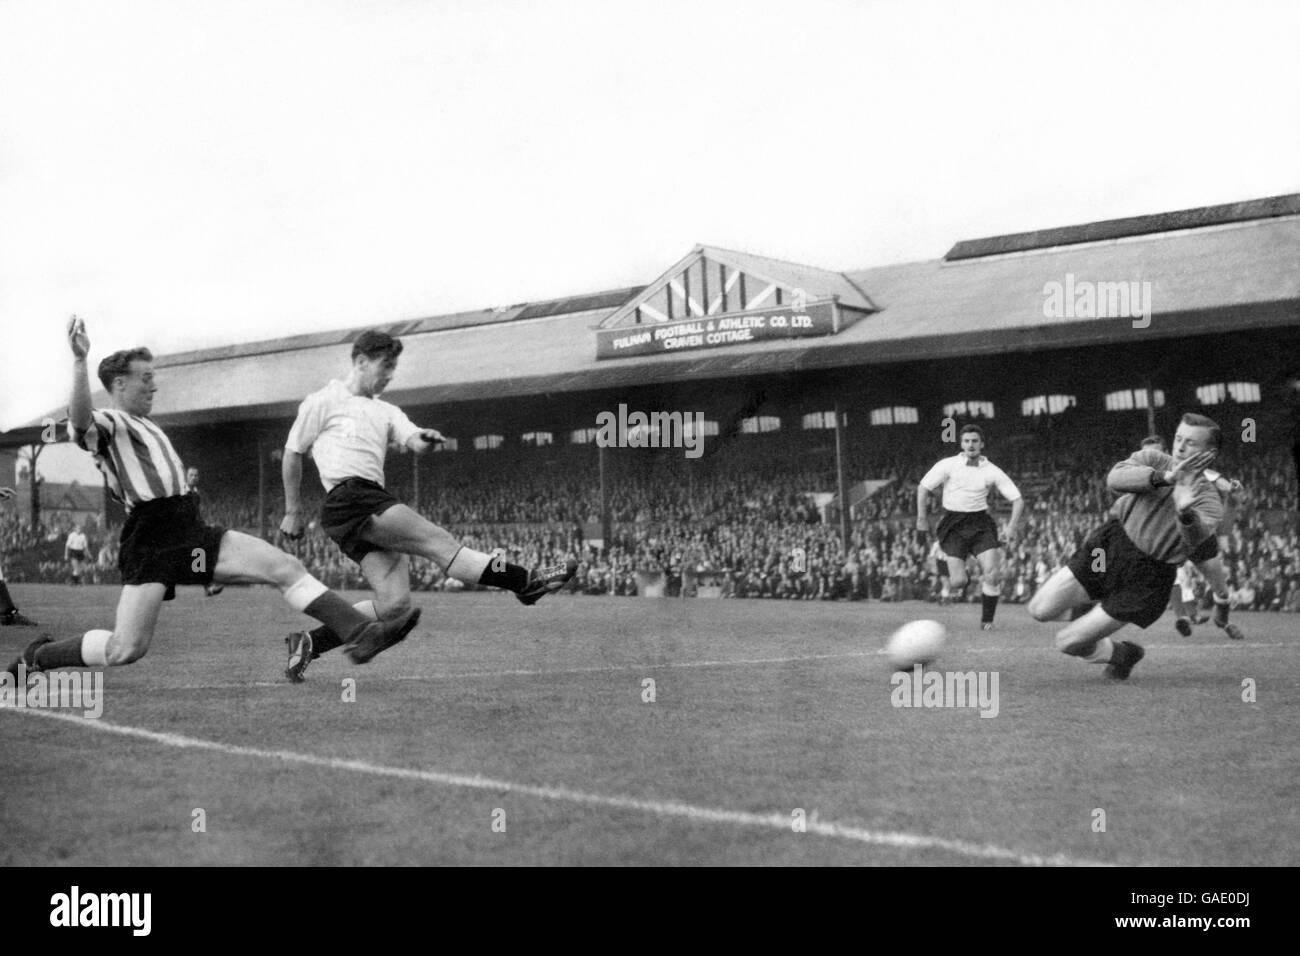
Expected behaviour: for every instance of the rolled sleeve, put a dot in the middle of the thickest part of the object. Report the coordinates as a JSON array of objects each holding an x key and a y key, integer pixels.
[{"x": 307, "y": 426}]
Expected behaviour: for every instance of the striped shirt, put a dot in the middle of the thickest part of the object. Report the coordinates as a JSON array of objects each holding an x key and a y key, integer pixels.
[
  {"x": 134, "y": 456},
  {"x": 348, "y": 435},
  {"x": 966, "y": 487},
  {"x": 1148, "y": 514}
]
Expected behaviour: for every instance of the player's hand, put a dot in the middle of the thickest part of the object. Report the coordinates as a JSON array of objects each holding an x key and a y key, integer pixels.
[
  {"x": 78, "y": 340},
  {"x": 1008, "y": 537},
  {"x": 7, "y": 493},
  {"x": 922, "y": 524},
  {"x": 1184, "y": 494},
  {"x": 292, "y": 526},
  {"x": 1235, "y": 487},
  {"x": 1185, "y": 471},
  {"x": 432, "y": 436}
]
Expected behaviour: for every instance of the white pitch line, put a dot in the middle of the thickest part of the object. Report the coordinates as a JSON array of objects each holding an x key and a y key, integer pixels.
[{"x": 774, "y": 820}]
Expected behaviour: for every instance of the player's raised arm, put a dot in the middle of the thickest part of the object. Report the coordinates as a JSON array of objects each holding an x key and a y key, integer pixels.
[
  {"x": 1140, "y": 472},
  {"x": 79, "y": 407}
]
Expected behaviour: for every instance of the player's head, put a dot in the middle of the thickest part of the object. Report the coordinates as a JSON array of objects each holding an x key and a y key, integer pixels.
[
  {"x": 1154, "y": 441},
  {"x": 1195, "y": 434},
  {"x": 972, "y": 441},
  {"x": 374, "y": 360},
  {"x": 128, "y": 378},
  {"x": 191, "y": 476}
]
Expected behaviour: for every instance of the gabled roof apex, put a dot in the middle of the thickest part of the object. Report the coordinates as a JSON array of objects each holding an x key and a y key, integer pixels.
[{"x": 710, "y": 280}]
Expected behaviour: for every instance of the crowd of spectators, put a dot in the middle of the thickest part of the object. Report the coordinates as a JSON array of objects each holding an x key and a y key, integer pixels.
[{"x": 743, "y": 522}]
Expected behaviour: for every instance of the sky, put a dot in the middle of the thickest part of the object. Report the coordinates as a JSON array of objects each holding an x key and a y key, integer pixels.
[{"x": 192, "y": 173}]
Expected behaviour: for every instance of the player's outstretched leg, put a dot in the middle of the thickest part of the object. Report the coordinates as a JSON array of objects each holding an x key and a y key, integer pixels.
[
  {"x": 245, "y": 559},
  {"x": 402, "y": 530},
  {"x": 133, "y": 629},
  {"x": 389, "y": 575},
  {"x": 1089, "y": 636}
]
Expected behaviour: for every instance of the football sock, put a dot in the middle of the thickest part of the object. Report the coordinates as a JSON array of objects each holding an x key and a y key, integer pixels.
[
  {"x": 94, "y": 648},
  {"x": 514, "y": 577},
  {"x": 59, "y": 654},
  {"x": 325, "y": 638},
  {"x": 990, "y": 607},
  {"x": 313, "y": 598},
  {"x": 6, "y": 603},
  {"x": 475, "y": 567},
  {"x": 1101, "y": 652}
]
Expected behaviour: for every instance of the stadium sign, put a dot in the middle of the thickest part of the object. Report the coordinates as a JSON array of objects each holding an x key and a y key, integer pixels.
[{"x": 715, "y": 331}]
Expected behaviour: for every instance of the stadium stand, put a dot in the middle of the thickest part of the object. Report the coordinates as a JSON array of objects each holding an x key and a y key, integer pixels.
[{"x": 911, "y": 345}]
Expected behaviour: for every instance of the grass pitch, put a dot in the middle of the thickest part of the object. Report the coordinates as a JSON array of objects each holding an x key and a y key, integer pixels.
[{"x": 499, "y": 734}]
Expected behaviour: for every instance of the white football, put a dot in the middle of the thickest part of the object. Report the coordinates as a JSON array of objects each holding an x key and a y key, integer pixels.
[{"x": 916, "y": 642}]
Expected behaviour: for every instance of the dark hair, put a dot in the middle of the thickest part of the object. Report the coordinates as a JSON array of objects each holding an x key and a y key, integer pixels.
[
  {"x": 1151, "y": 440},
  {"x": 119, "y": 363},
  {"x": 971, "y": 428},
  {"x": 374, "y": 344},
  {"x": 1200, "y": 421}
]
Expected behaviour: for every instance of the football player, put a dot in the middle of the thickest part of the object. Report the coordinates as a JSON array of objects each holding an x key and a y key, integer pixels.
[
  {"x": 164, "y": 539},
  {"x": 348, "y": 429},
  {"x": 966, "y": 528},
  {"x": 1166, "y": 510}
]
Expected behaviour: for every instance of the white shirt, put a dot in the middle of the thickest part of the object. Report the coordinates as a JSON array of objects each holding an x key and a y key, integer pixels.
[
  {"x": 76, "y": 541},
  {"x": 348, "y": 435},
  {"x": 966, "y": 487}
]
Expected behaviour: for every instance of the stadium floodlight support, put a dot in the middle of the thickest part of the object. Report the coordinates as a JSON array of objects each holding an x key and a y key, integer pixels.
[
  {"x": 415, "y": 483},
  {"x": 839, "y": 479},
  {"x": 1151, "y": 409},
  {"x": 606, "y": 528},
  {"x": 261, "y": 489}
]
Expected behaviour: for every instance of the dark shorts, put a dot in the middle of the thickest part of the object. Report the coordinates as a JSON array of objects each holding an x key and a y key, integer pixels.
[
  {"x": 76, "y": 555},
  {"x": 1207, "y": 549},
  {"x": 941, "y": 567},
  {"x": 166, "y": 542},
  {"x": 962, "y": 534},
  {"x": 1131, "y": 585},
  {"x": 348, "y": 509}
]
